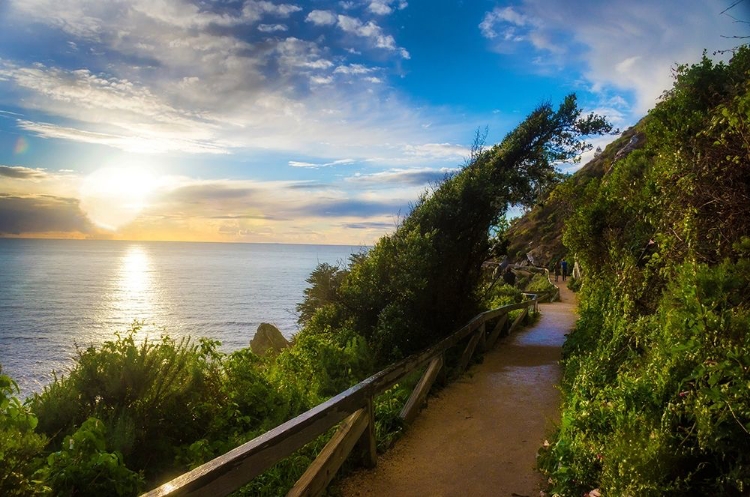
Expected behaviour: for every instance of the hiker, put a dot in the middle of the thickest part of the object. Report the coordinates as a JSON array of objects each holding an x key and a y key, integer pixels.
[
  {"x": 564, "y": 265},
  {"x": 557, "y": 270},
  {"x": 509, "y": 277}
]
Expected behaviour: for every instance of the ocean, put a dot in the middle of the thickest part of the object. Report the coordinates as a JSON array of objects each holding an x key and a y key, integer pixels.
[{"x": 56, "y": 295}]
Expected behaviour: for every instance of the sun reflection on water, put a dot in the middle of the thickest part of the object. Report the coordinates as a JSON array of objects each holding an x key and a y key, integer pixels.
[{"x": 134, "y": 288}]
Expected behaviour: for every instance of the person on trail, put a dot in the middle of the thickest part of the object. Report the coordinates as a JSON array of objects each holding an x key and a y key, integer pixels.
[
  {"x": 557, "y": 270},
  {"x": 509, "y": 277},
  {"x": 564, "y": 265}
]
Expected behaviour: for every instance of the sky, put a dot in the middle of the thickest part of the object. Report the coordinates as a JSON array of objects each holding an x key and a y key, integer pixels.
[{"x": 300, "y": 121}]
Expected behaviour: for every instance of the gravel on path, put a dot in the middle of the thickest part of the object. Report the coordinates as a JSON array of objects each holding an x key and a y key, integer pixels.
[{"x": 479, "y": 436}]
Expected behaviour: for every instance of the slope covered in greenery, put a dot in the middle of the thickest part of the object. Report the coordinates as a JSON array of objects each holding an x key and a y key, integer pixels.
[
  {"x": 657, "y": 370},
  {"x": 540, "y": 231}
]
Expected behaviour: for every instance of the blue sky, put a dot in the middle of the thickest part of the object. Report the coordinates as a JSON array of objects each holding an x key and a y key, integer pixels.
[{"x": 299, "y": 122}]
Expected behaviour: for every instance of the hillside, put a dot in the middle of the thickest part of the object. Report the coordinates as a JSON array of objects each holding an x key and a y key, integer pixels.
[
  {"x": 540, "y": 230},
  {"x": 655, "y": 388}
]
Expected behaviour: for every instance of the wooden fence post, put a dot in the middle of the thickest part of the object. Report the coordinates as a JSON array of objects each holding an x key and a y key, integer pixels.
[
  {"x": 483, "y": 337},
  {"x": 411, "y": 408},
  {"x": 518, "y": 319},
  {"x": 497, "y": 331},
  {"x": 320, "y": 473},
  {"x": 468, "y": 352},
  {"x": 367, "y": 445}
]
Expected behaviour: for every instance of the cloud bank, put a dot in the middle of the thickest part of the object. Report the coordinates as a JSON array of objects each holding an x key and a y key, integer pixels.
[
  {"x": 172, "y": 76},
  {"x": 624, "y": 46}
]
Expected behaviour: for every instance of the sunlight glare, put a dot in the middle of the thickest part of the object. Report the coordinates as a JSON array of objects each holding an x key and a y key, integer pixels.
[
  {"x": 134, "y": 274},
  {"x": 114, "y": 196},
  {"x": 134, "y": 291}
]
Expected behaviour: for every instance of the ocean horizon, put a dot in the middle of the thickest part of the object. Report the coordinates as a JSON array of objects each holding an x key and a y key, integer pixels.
[{"x": 60, "y": 294}]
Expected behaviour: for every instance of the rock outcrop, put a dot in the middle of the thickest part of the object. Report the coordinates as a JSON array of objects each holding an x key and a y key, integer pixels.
[{"x": 268, "y": 340}]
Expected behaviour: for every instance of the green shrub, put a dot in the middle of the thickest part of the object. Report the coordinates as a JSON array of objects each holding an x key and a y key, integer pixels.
[
  {"x": 500, "y": 295},
  {"x": 574, "y": 284},
  {"x": 20, "y": 446},
  {"x": 538, "y": 284},
  {"x": 152, "y": 397},
  {"x": 84, "y": 467}
]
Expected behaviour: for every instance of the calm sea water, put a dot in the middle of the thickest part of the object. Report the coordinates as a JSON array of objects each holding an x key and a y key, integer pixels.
[{"x": 56, "y": 294}]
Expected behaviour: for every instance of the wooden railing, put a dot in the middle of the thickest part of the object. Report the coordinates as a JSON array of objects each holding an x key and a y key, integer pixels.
[
  {"x": 552, "y": 295},
  {"x": 353, "y": 409}
]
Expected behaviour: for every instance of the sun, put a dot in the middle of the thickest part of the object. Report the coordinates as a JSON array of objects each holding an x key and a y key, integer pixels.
[{"x": 114, "y": 196}]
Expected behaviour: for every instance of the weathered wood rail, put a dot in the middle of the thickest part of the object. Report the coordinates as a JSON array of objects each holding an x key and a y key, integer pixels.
[
  {"x": 352, "y": 409},
  {"x": 554, "y": 294}
]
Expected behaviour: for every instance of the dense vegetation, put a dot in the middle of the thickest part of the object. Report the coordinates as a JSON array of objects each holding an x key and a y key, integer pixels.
[
  {"x": 657, "y": 371},
  {"x": 422, "y": 281},
  {"x": 130, "y": 413}
]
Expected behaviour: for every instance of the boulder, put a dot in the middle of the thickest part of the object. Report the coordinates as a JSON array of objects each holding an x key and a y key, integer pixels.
[{"x": 268, "y": 340}]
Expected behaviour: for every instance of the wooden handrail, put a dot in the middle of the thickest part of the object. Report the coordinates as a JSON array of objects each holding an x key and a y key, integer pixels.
[
  {"x": 553, "y": 294},
  {"x": 230, "y": 471}
]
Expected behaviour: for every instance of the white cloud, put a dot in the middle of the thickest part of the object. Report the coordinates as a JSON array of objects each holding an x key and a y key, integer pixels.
[
  {"x": 255, "y": 10},
  {"x": 371, "y": 31},
  {"x": 321, "y": 18},
  {"x": 385, "y": 7},
  {"x": 624, "y": 46},
  {"x": 295, "y": 163},
  {"x": 173, "y": 82},
  {"x": 272, "y": 28},
  {"x": 499, "y": 16},
  {"x": 627, "y": 64},
  {"x": 354, "y": 69},
  {"x": 130, "y": 143},
  {"x": 412, "y": 177},
  {"x": 80, "y": 19},
  {"x": 296, "y": 53},
  {"x": 445, "y": 151},
  {"x": 321, "y": 80},
  {"x": 135, "y": 118},
  {"x": 380, "y": 8},
  {"x": 312, "y": 165}
]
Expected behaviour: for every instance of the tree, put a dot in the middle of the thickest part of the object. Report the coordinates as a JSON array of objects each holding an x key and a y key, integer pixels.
[
  {"x": 419, "y": 283},
  {"x": 325, "y": 282}
]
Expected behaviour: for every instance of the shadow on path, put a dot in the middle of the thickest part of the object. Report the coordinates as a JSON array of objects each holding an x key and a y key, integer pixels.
[{"x": 480, "y": 435}]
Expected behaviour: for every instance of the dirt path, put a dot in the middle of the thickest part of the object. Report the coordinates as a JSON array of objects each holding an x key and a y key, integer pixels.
[{"x": 480, "y": 435}]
